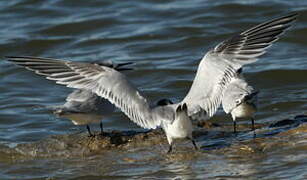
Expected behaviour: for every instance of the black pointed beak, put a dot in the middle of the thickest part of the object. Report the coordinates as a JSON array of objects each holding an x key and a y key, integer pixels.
[
  {"x": 251, "y": 95},
  {"x": 120, "y": 67},
  {"x": 124, "y": 64}
]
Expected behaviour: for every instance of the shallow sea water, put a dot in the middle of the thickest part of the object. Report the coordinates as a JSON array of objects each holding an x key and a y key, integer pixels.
[{"x": 165, "y": 40}]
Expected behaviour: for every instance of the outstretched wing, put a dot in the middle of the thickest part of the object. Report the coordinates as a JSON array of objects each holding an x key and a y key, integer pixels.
[
  {"x": 221, "y": 64},
  {"x": 104, "y": 81}
]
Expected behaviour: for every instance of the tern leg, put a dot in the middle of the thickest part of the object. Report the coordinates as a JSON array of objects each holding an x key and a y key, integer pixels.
[
  {"x": 170, "y": 142},
  {"x": 101, "y": 129},
  {"x": 234, "y": 127},
  {"x": 170, "y": 149},
  {"x": 89, "y": 131},
  {"x": 193, "y": 142},
  {"x": 253, "y": 126}
]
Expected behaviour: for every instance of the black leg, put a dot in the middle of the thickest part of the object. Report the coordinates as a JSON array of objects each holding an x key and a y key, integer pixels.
[
  {"x": 101, "y": 129},
  {"x": 170, "y": 149},
  {"x": 234, "y": 127},
  {"x": 194, "y": 144},
  {"x": 89, "y": 131},
  {"x": 253, "y": 124}
]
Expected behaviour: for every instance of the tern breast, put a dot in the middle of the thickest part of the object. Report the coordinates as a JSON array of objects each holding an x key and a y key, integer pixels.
[{"x": 244, "y": 110}]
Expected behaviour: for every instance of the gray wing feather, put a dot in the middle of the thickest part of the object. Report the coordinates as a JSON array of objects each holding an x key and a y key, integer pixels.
[
  {"x": 81, "y": 95},
  {"x": 220, "y": 65},
  {"x": 104, "y": 81},
  {"x": 85, "y": 101}
]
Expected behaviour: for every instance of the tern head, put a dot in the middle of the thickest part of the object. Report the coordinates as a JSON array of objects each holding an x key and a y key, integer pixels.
[
  {"x": 164, "y": 102},
  {"x": 251, "y": 98}
]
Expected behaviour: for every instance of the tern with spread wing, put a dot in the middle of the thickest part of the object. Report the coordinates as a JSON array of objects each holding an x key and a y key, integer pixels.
[
  {"x": 220, "y": 66},
  {"x": 215, "y": 71},
  {"x": 115, "y": 87}
]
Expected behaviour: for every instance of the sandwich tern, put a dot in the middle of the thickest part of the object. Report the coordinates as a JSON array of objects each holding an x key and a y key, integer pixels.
[
  {"x": 83, "y": 107},
  {"x": 221, "y": 64},
  {"x": 240, "y": 100}
]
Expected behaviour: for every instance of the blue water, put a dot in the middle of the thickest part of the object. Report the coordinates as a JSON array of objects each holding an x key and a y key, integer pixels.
[{"x": 165, "y": 40}]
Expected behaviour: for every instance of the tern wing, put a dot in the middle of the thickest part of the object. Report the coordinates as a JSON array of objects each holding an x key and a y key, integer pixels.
[
  {"x": 220, "y": 65},
  {"x": 81, "y": 95},
  {"x": 104, "y": 81}
]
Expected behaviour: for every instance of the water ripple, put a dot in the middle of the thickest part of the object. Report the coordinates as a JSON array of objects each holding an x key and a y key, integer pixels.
[{"x": 166, "y": 40}]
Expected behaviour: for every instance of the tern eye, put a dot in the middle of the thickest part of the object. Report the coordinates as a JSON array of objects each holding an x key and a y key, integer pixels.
[{"x": 238, "y": 101}]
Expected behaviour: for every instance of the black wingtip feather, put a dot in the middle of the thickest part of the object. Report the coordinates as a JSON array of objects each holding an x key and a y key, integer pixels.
[
  {"x": 253, "y": 42},
  {"x": 283, "y": 20}
]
